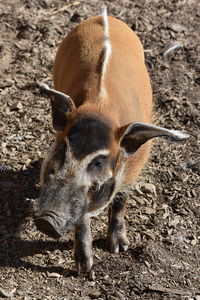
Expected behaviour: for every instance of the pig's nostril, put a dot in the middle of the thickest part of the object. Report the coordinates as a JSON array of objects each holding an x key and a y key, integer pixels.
[{"x": 46, "y": 225}]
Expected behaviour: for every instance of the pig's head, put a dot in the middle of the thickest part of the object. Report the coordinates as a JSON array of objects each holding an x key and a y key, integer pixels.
[{"x": 80, "y": 173}]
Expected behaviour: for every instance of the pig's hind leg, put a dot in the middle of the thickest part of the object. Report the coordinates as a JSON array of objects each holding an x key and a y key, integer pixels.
[{"x": 116, "y": 237}]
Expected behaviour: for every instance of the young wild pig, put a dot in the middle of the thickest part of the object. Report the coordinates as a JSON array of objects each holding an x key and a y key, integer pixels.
[{"x": 102, "y": 129}]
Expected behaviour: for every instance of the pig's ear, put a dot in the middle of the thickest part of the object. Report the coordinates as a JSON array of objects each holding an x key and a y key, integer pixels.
[
  {"x": 134, "y": 135},
  {"x": 61, "y": 105}
]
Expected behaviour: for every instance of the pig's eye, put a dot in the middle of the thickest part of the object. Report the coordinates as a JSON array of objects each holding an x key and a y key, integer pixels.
[{"x": 97, "y": 163}]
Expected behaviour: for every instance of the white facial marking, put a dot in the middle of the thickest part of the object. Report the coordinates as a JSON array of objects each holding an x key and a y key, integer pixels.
[
  {"x": 83, "y": 177},
  {"x": 78, "y": 168},
  {"x": 107, "y": 52}
]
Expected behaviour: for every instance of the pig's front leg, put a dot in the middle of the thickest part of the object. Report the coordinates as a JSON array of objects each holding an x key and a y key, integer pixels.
[
  {"x": 116, "y": 237},
  {"x": 83, "y": 246}
]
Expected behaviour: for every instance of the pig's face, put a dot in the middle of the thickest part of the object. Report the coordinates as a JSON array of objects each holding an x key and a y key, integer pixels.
[{"x": 77, "y": 176}]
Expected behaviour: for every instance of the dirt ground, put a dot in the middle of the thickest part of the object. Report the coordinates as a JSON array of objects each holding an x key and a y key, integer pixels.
[{"x": 163, "y": 212}]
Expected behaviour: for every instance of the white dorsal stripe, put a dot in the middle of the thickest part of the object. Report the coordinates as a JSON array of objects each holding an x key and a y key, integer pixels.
[{"x": 107, "y": 51}]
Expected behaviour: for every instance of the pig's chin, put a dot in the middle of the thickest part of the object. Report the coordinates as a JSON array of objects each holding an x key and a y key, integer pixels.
[{"x": 49, "y": 224}]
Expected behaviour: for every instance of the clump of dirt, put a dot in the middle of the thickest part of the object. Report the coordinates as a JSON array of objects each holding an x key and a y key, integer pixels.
[{"x": 163, "y": 212}]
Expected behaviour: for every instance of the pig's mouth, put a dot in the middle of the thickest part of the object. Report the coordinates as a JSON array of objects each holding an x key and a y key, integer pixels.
[{"x": 48, "y": 224}]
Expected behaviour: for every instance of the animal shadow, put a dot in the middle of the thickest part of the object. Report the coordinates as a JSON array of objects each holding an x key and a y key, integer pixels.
[{"x": 17, "y": 188}]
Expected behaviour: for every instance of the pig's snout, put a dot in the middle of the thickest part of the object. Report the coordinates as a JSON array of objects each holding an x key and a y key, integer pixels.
[
  {"x": 60, "y": 207},
  {"x": 48, "y": 224}
]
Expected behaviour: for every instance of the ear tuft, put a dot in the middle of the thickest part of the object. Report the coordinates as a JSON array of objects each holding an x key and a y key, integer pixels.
[
  {"x": 178, "y": 135},
  {"x": 44, "y": 87}
]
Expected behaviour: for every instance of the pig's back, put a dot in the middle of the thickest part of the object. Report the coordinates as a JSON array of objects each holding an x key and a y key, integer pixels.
[{"x": 78, "y": 66}]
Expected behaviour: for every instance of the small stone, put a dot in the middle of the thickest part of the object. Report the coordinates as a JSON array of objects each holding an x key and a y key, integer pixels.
[
  {"x": 16, "y": 106},
  {"x": 95, "y": 294},
  {"x": 149, "y": 210},
  {"x": 185, "y": 178},
  {"x": 193, "y": 242},
  {"x": 176, "y": 27},
  {"x": 174, "y": 222},
  {"x": 91, "y": 283},
  {"x": 148, "y": 188}
]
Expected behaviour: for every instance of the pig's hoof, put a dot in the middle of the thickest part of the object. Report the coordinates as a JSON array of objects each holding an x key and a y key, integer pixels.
[
  {"x": 83, "y": 263},
  {"x": 116, "y": 243}
]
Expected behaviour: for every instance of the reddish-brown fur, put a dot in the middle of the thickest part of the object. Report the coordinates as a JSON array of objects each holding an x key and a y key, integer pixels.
[{"x": 77, "y": 72}]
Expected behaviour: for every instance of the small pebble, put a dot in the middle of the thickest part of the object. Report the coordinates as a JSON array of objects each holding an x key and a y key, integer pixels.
[
  {"x": 148, "y": 188},
  {"x": 95, "y": 294},
  {"x": 176, "y": 27}
]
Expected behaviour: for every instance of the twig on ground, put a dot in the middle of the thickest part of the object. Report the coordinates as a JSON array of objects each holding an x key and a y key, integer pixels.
[
  {"x": 66, "y": 7},
  {"x": 159, "y": 288},
  {"x": 169, "y": 50}
]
